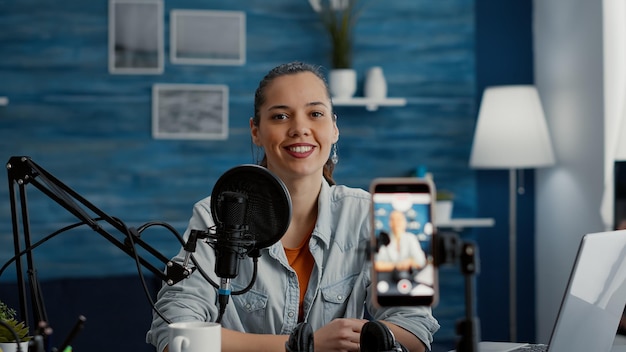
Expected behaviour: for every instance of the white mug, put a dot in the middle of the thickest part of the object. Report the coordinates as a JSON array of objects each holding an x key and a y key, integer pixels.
[{"x": 195, "y": 337}]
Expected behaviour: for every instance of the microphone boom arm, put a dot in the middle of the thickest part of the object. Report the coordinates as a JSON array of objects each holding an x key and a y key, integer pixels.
[{"x": 23, "y": 171}]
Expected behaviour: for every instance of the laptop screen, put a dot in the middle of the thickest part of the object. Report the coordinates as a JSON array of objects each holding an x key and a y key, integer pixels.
[{"x": 595, "y": 296}]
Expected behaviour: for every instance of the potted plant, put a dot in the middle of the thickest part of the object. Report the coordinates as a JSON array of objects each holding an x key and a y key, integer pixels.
[
  {"x": 339, "y": 18},
  {"x": 7, "y": 338}
]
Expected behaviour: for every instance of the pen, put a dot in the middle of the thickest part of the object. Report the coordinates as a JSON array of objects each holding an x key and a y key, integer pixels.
[{"x": 75, "y": 330}]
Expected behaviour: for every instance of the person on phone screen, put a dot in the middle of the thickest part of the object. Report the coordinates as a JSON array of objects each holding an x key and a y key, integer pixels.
[
  {"x": 318, "y": 272},
  {"x": 404, "y": 251}
]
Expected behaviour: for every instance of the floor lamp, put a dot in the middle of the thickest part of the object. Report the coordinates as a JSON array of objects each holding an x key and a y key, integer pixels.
[{"x": 511, "y": 133}]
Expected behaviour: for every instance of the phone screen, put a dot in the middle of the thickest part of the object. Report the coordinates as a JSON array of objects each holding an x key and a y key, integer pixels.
[{"x": 404, "y": 273}]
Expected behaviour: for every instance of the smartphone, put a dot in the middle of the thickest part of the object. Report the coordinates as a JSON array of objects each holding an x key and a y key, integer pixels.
[{"x": 403, "y": 230}]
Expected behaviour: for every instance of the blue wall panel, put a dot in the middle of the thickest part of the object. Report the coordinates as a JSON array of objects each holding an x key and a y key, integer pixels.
[{"x": 92, "y": 129}]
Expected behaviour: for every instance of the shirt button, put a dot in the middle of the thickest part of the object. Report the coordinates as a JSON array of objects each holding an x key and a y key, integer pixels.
[
  {"x": 290, "y": 314},
  {"x": 340, "y": 297},
  {"x": 248, "y": 306}
]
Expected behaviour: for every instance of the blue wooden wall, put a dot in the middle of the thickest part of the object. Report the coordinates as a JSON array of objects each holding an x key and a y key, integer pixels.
[{"x": 92, "y": 129}]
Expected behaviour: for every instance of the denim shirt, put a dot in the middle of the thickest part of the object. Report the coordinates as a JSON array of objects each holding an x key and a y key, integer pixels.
[{"x": 338, "y": 287}]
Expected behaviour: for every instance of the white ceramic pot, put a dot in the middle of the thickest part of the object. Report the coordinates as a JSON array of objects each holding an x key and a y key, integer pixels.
[
  {"x": 342, "y": 83},
  {"x": 12, "y": 347},
  {"x": 375, "y": 84},
  {"x": 443, "y": 210}
]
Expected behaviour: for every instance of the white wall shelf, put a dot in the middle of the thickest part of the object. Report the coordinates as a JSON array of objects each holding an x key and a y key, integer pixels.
[
  {"x": 461, "y": 223},
  {"x": 369, "y": 103}
]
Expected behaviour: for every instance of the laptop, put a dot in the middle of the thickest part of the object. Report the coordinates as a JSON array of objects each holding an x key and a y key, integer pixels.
[{"x": 593, "y": 302}]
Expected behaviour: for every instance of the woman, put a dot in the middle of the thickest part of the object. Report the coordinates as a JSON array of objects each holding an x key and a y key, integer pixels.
[
  {"x": 404, "y": 251},
  {"x": 317, "y": 272}
]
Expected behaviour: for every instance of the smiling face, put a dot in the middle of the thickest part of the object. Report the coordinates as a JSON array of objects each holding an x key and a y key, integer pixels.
[{"x": 295, "y": 126}]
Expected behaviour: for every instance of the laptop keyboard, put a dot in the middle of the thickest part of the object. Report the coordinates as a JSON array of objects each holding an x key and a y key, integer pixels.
[{"x": 531, "y": 348}]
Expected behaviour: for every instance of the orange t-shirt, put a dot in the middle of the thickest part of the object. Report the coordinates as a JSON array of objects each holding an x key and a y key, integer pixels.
[{"x": 301, "y": 260}]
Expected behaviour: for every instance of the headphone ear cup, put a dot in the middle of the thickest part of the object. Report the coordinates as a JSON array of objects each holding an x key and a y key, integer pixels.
[
  {"x": 376, "y": 337},
  {"x": 301, "y": 339}
]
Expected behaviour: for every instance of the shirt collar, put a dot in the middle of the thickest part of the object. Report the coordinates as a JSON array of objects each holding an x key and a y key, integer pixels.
[{"x": 323, "y": 226}]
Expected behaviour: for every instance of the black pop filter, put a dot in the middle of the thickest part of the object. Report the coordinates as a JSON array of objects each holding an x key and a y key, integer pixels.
[{"x": 268, "y": 210}]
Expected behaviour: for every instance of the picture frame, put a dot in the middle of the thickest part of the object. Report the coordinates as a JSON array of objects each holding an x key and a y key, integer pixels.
[
  {"x": 193, "y": 40},
  {"x": 136, "y": 37},
  {"x": 190, "y": 111}
]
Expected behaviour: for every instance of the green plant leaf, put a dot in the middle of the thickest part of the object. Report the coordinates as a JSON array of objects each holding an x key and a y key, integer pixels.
[
  {"x": 6, "y": 313},
  {"x": 8, "y": 316},
  {"x": 445, "y": 195},
  {"x": 339, "y": 24},
  {"x": 20, "y": 329}
]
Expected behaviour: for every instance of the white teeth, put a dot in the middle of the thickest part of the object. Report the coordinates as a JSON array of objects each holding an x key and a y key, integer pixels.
[{"x": 300, "y": 149}]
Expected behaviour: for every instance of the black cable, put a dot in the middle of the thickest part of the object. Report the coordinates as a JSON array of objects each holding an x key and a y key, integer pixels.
[
  {"x": 145, "y": 226},
  {"x": 215, "y": 285},
  {"x": 255, "y": 260},
  {"x": 127, "y": 234},
  {"x": 255, "y": 255},
  {"x": 140, "y": 272},
  {"x": 40, "y": 242},
  {"x": 202, "y": 272},
  {"x": 223, "y": 301}
]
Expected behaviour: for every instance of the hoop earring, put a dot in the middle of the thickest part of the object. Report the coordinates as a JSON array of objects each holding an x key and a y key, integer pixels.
[{"x": 334, "y": 158}]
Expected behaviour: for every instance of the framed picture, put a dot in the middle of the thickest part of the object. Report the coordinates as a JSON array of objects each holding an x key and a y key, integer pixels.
[
  {"x": 189, "y": 111},
  {"x": 207, "y": 37},
  {"x": 136, "y": 36}
]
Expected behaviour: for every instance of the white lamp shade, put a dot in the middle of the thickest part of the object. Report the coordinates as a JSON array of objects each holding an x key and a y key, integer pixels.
[{"x": 511, "y": 131}]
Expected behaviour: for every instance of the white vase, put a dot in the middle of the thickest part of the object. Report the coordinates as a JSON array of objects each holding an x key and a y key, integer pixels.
[
  {"x": 443, "y": 210},
  {"x": 342, "y": 83},
  {"x": 375, "y": 84},
  {"x": 12, "y": 347}
]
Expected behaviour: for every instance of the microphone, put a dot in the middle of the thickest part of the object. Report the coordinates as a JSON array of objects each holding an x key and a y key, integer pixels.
[
  {"x": 233, "y": 206},
  {"x": 251, "y": 209},
  {"x": 382, "y": 240},
  {"x": 230, "y": 244}
]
